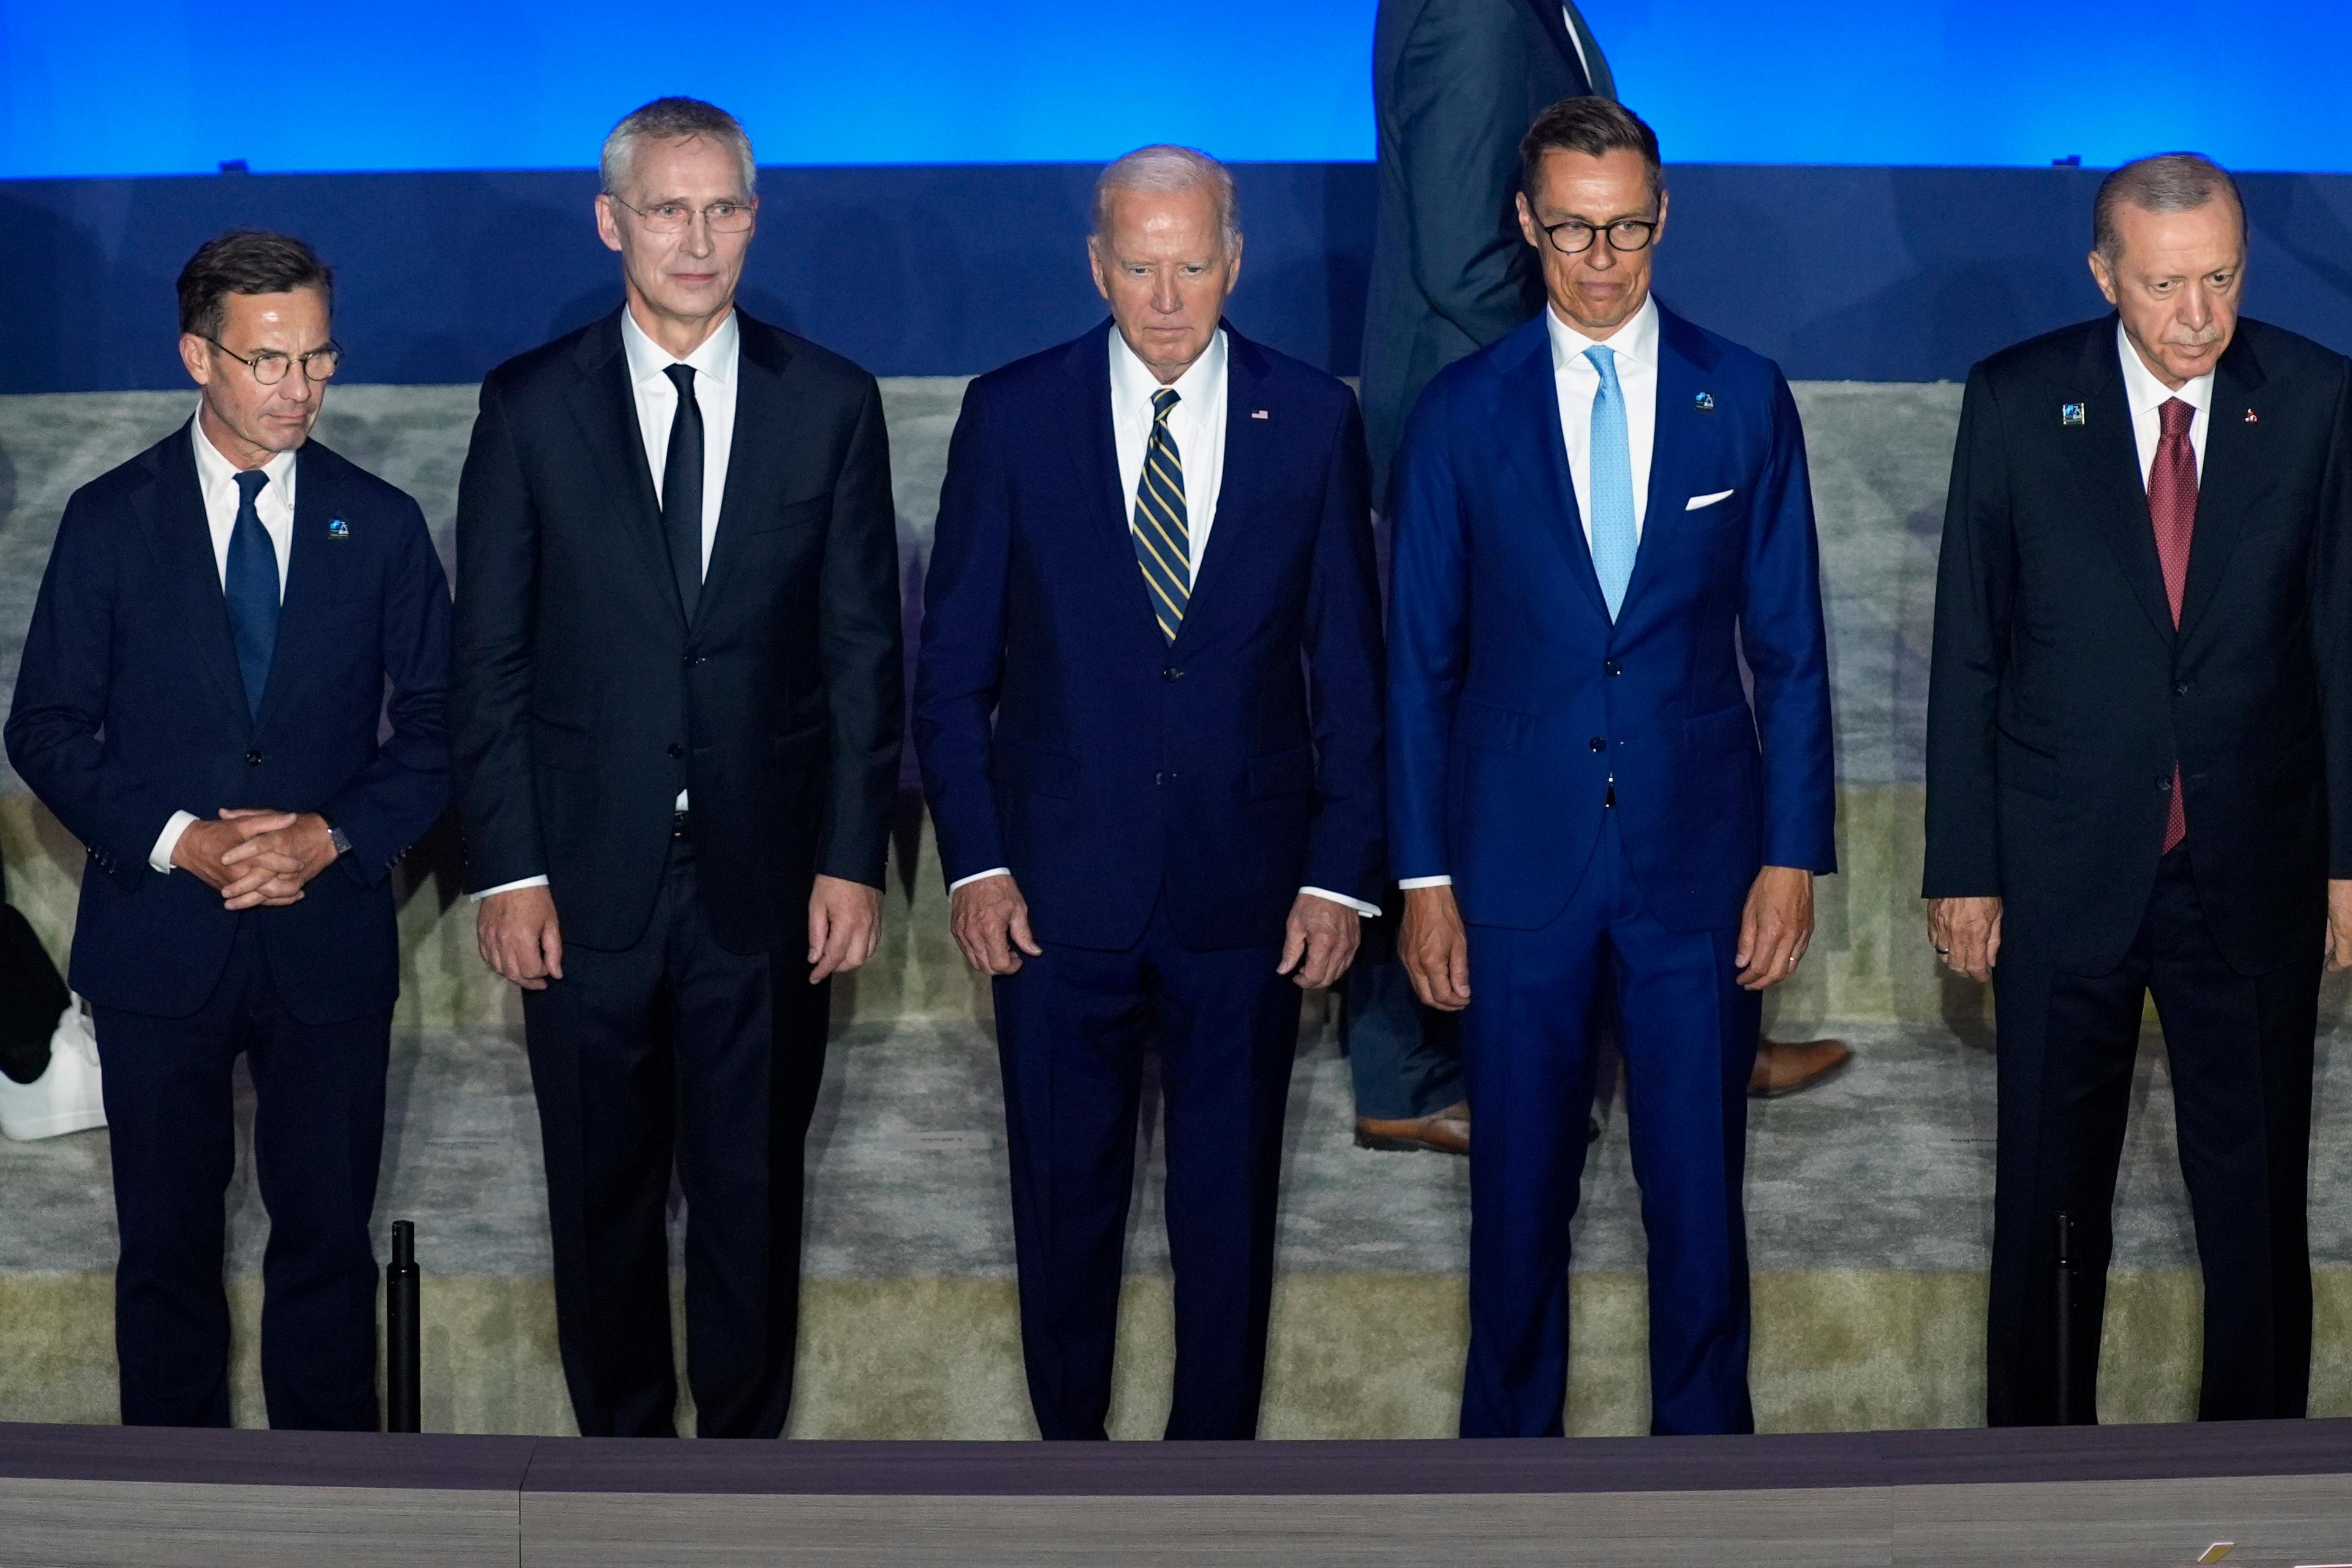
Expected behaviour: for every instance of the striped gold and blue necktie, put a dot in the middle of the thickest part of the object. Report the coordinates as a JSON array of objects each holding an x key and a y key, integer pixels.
[{"x": 1163, "y": 537}]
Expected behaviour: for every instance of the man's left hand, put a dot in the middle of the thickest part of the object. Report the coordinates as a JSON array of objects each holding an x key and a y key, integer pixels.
[
  {"x": 1319, "y": 941},
  {"x": 844, "y": 924},
  {"x": 277, "y": 866},
  {"x": 1776, "y": 928},
  {"x": 2339, "y": 925}
]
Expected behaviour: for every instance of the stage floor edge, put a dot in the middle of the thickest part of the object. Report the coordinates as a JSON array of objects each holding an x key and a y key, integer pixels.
[{"x": 2269, "y": 1492}]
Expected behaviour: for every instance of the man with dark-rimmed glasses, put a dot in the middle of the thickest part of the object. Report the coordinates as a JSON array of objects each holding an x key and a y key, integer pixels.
[
  {"x": 227, "y": 623},
  {"x": 1595, "y": 519}
]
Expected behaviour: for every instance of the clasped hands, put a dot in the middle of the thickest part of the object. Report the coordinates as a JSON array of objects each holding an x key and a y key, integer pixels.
[
  {"x": 1776, "y": 926},
  {"x": 990, "y": 920},
  {"x": 255, "y": 856}
]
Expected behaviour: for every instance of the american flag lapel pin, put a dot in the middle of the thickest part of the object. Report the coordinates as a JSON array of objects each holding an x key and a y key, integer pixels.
[
  {"x": 2252, "y": 417},
  {"x": 1259, "y": 413}
]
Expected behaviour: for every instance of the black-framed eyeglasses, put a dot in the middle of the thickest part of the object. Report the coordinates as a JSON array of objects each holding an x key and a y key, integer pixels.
[
  {"x": 1574, "y": 237},
  {"x": 269, "y": 366},
  {"x": 677, "y": 218}
]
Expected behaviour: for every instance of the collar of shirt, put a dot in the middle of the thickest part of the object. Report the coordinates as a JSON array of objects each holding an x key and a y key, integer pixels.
[
  {"x": 1576, "y": 383},
  {"x": 1636, "y": 342},
  {"x": 1198, "y": 423},
  {"x": 216, "y": 476},
  {"x": 715, "y": 357},
  {"x": 2146, "y": 395}
]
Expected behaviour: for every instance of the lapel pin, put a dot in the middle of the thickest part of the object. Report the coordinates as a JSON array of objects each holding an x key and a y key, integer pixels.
[
  {"x": 1703, "y": 403},
  {"x": 339, "y": 529},
  {"x": 2070, "y": 414},
  {"x": 2251, "y": 418},
  {"x": 1257, "y": 414}
]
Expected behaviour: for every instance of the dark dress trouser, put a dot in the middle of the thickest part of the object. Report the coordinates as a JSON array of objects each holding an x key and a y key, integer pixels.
[
  {"x": 1531, "y": 1037},
  {"x": 677, "y": 1054},
  {"x": 2241, "y": 1051},
  {"x": 1404, "y": 1058},
  {"x": 318, "y": 1140},
  {"x": 1071, "y": 1029}
]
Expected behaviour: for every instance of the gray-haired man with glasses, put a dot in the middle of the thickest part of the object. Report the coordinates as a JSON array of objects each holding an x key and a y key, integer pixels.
[
  {"x": 233, "y": 693},
  {"x": 676, "y": 714}
]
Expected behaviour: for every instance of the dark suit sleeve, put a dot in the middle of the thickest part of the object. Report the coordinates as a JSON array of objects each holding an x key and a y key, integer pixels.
[
  {"x": 2331, "y": 626},
  {"x": 1344, "y": 851},
  {"x": 862, "y": 648},
  {"x": 62, "y": 688},
  {"x": 1428, "y": 639},
  {"x": 1458, "y": 140},
  {"x": 963, "y": 656},
  {"x": 1781, "y": 637},
  {"x": 1975, "y": 582},
  {"x": 489, "y": 697},
  {"x": 396, "y": 798}
]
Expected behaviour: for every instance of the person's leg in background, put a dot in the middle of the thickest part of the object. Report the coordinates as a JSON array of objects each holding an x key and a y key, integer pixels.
[{"x": 1405, "y": 1058}]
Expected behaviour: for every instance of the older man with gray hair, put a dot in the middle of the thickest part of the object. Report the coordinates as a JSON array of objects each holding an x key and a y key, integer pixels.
[
  {"x": 1149, "y": 714},
  {"x": 2139, "y": 778}
]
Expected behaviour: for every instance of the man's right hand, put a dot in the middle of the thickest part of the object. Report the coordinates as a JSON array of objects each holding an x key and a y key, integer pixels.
[
  {"x": 1967, "y": 934},
  {"x": 1435, "y": 949},
  {"x": 516, "y": 934},
  {"x": 991, "y": 922},
  {"x": 206, "y": 839}
]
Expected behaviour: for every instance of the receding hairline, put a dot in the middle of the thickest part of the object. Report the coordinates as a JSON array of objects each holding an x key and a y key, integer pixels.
[
  {"x": 2160, "y": 185},
  {"x": 1167, "y": 170},
  {"x": 677, "y": 120}
]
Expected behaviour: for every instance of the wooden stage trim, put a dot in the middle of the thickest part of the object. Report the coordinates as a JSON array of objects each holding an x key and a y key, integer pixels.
[{"x": 2281, "y": 1491}]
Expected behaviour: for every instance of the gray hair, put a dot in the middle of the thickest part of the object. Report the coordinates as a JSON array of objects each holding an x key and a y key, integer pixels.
[
  {"x": 1163, "y": 171},
  {"x": 2167, "y": 183},
  {"x": 673, "y": 120}
]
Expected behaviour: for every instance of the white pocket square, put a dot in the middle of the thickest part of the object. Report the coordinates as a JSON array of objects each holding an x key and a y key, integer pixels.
[{"x": 1697, "y": 501}]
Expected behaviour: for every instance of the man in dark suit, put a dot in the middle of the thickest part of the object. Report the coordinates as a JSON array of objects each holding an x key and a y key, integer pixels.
[
  {"x": 2140, "y": 774},
  {"x": 202, "y": 702},
  {"x": 1153, "y": 752},
  {"x": 676, "y": 714},
  {"x": 1596, "y": 519}
]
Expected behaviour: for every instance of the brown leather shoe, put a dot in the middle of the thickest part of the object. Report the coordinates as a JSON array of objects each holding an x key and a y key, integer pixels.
[
  {"x": 1445, "y": 1132},
  {"x": 1792, "y": 1066}
]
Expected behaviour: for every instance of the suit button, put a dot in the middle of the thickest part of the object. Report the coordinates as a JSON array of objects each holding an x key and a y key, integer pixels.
[
  {"x": 676, "y": 749},
  {"x": 1171, "y": 675},
  {"x": 1611, "y": 666},
  {"x": 1599, "y": 744},
  {"x": 2163, "y": 783},
  {"x": 252, "y": 759},
  {"x": 2180, "y": 688}
]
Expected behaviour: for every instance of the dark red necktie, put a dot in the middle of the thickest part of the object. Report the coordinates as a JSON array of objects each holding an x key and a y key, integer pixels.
[{"x": 2172, "y": 507}]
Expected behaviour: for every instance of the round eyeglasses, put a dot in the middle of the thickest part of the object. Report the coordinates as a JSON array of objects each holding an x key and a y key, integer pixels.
[{"x": 269, "y": 366}]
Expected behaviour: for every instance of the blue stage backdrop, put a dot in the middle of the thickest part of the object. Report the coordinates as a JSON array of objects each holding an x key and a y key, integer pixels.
[{"x": 148, "y": 87}]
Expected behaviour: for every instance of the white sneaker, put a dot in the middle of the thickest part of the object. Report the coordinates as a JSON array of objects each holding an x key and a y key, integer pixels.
[{"x": 64, "y": 1099}]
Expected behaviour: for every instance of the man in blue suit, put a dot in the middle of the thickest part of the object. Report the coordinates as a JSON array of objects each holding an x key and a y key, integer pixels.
[
  {"x": 227, "y": 621},
  {"x": 1597, "y": 518},
  {"x": 1173, "y": 821}
]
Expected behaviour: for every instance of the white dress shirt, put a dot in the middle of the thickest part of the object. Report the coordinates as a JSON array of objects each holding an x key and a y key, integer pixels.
[
  {"x": 1577, "y": 40},
  {"x": 216, "y": 481},
  {"x": 1635, "y": 345},
  {"x": 715, "y": 364},
  {"x": 1198, "y": 424},
  {"x": 2148, "y": 394}
]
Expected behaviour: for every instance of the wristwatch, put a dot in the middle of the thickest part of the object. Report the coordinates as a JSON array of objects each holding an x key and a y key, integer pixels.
[{"x": 339, "y": 839}]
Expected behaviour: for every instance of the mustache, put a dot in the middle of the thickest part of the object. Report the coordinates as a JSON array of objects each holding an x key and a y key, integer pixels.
[{"x": 2202, "y": 337}]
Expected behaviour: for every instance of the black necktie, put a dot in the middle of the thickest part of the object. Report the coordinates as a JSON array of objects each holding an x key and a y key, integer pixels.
[
  {"x": 251, "y": 581},
  {"x": 682, "y": 490}
]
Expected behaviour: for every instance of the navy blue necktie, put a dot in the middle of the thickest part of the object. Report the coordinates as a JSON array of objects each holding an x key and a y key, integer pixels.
[{"x": 251, "y": 584}]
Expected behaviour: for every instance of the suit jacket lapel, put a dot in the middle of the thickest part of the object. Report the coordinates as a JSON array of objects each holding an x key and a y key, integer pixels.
[
  {"x": 1553, "y": 20},
  {"x": 1680, "y": 432},
  {"x": 1531, "y": 396},
  {"x": 183, "y": 542},
  {"x": 2104, "y": 460},
  {"x": 2235, "y": 463},
  {"x": 606, "y": 412},
  {"x": 1093, "y": 449},
  {"x": 754, "y": 460},
  {"x": 1241, "y": 480}
]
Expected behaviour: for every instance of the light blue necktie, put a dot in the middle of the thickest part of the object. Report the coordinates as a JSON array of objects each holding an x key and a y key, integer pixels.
[{"x": 1615, "y": 539}]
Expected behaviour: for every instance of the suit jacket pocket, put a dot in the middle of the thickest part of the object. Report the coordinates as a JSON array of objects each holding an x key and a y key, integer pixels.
[
  {"x": 791, "y": 514},
  {"x": 1290, "y": 772},
  {"x": 567, "y": 747},
  {"x": 1484, "y": 729},
  {"x": 1731, "y": 729},
  {"x": 807, "y": 737},
  {"x": 1035, "y": 772}
]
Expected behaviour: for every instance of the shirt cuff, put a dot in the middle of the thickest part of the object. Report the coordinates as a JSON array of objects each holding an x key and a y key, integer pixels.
[
  {"x": 1426, "y": 882},
  {"x": 979, "y": 876},
  {"x": 1370, "y": 911},
  {"x": 160, "y": 858},
  {"x": 508, "y": 888}
]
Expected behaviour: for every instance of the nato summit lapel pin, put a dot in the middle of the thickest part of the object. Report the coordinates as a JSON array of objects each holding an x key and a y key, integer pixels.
[
  {"x": 2070, "y": 414},
  {"x": 339, "y": 529},
  {"x": 1703, "y": 403}
]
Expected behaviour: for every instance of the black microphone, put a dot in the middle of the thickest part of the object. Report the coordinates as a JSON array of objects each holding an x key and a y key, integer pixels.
[{"x": 403, "y": 1354}]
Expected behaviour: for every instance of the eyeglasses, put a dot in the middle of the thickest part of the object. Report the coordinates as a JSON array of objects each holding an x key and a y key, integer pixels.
[
  {"x": 1575, "y": 237},
  {"x": 677, "y": 218},
  {"x": 269, "y": 366}
]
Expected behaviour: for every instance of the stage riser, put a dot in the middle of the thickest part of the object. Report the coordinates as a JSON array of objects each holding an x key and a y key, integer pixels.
[{"x": 1351, "y": 1357}]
